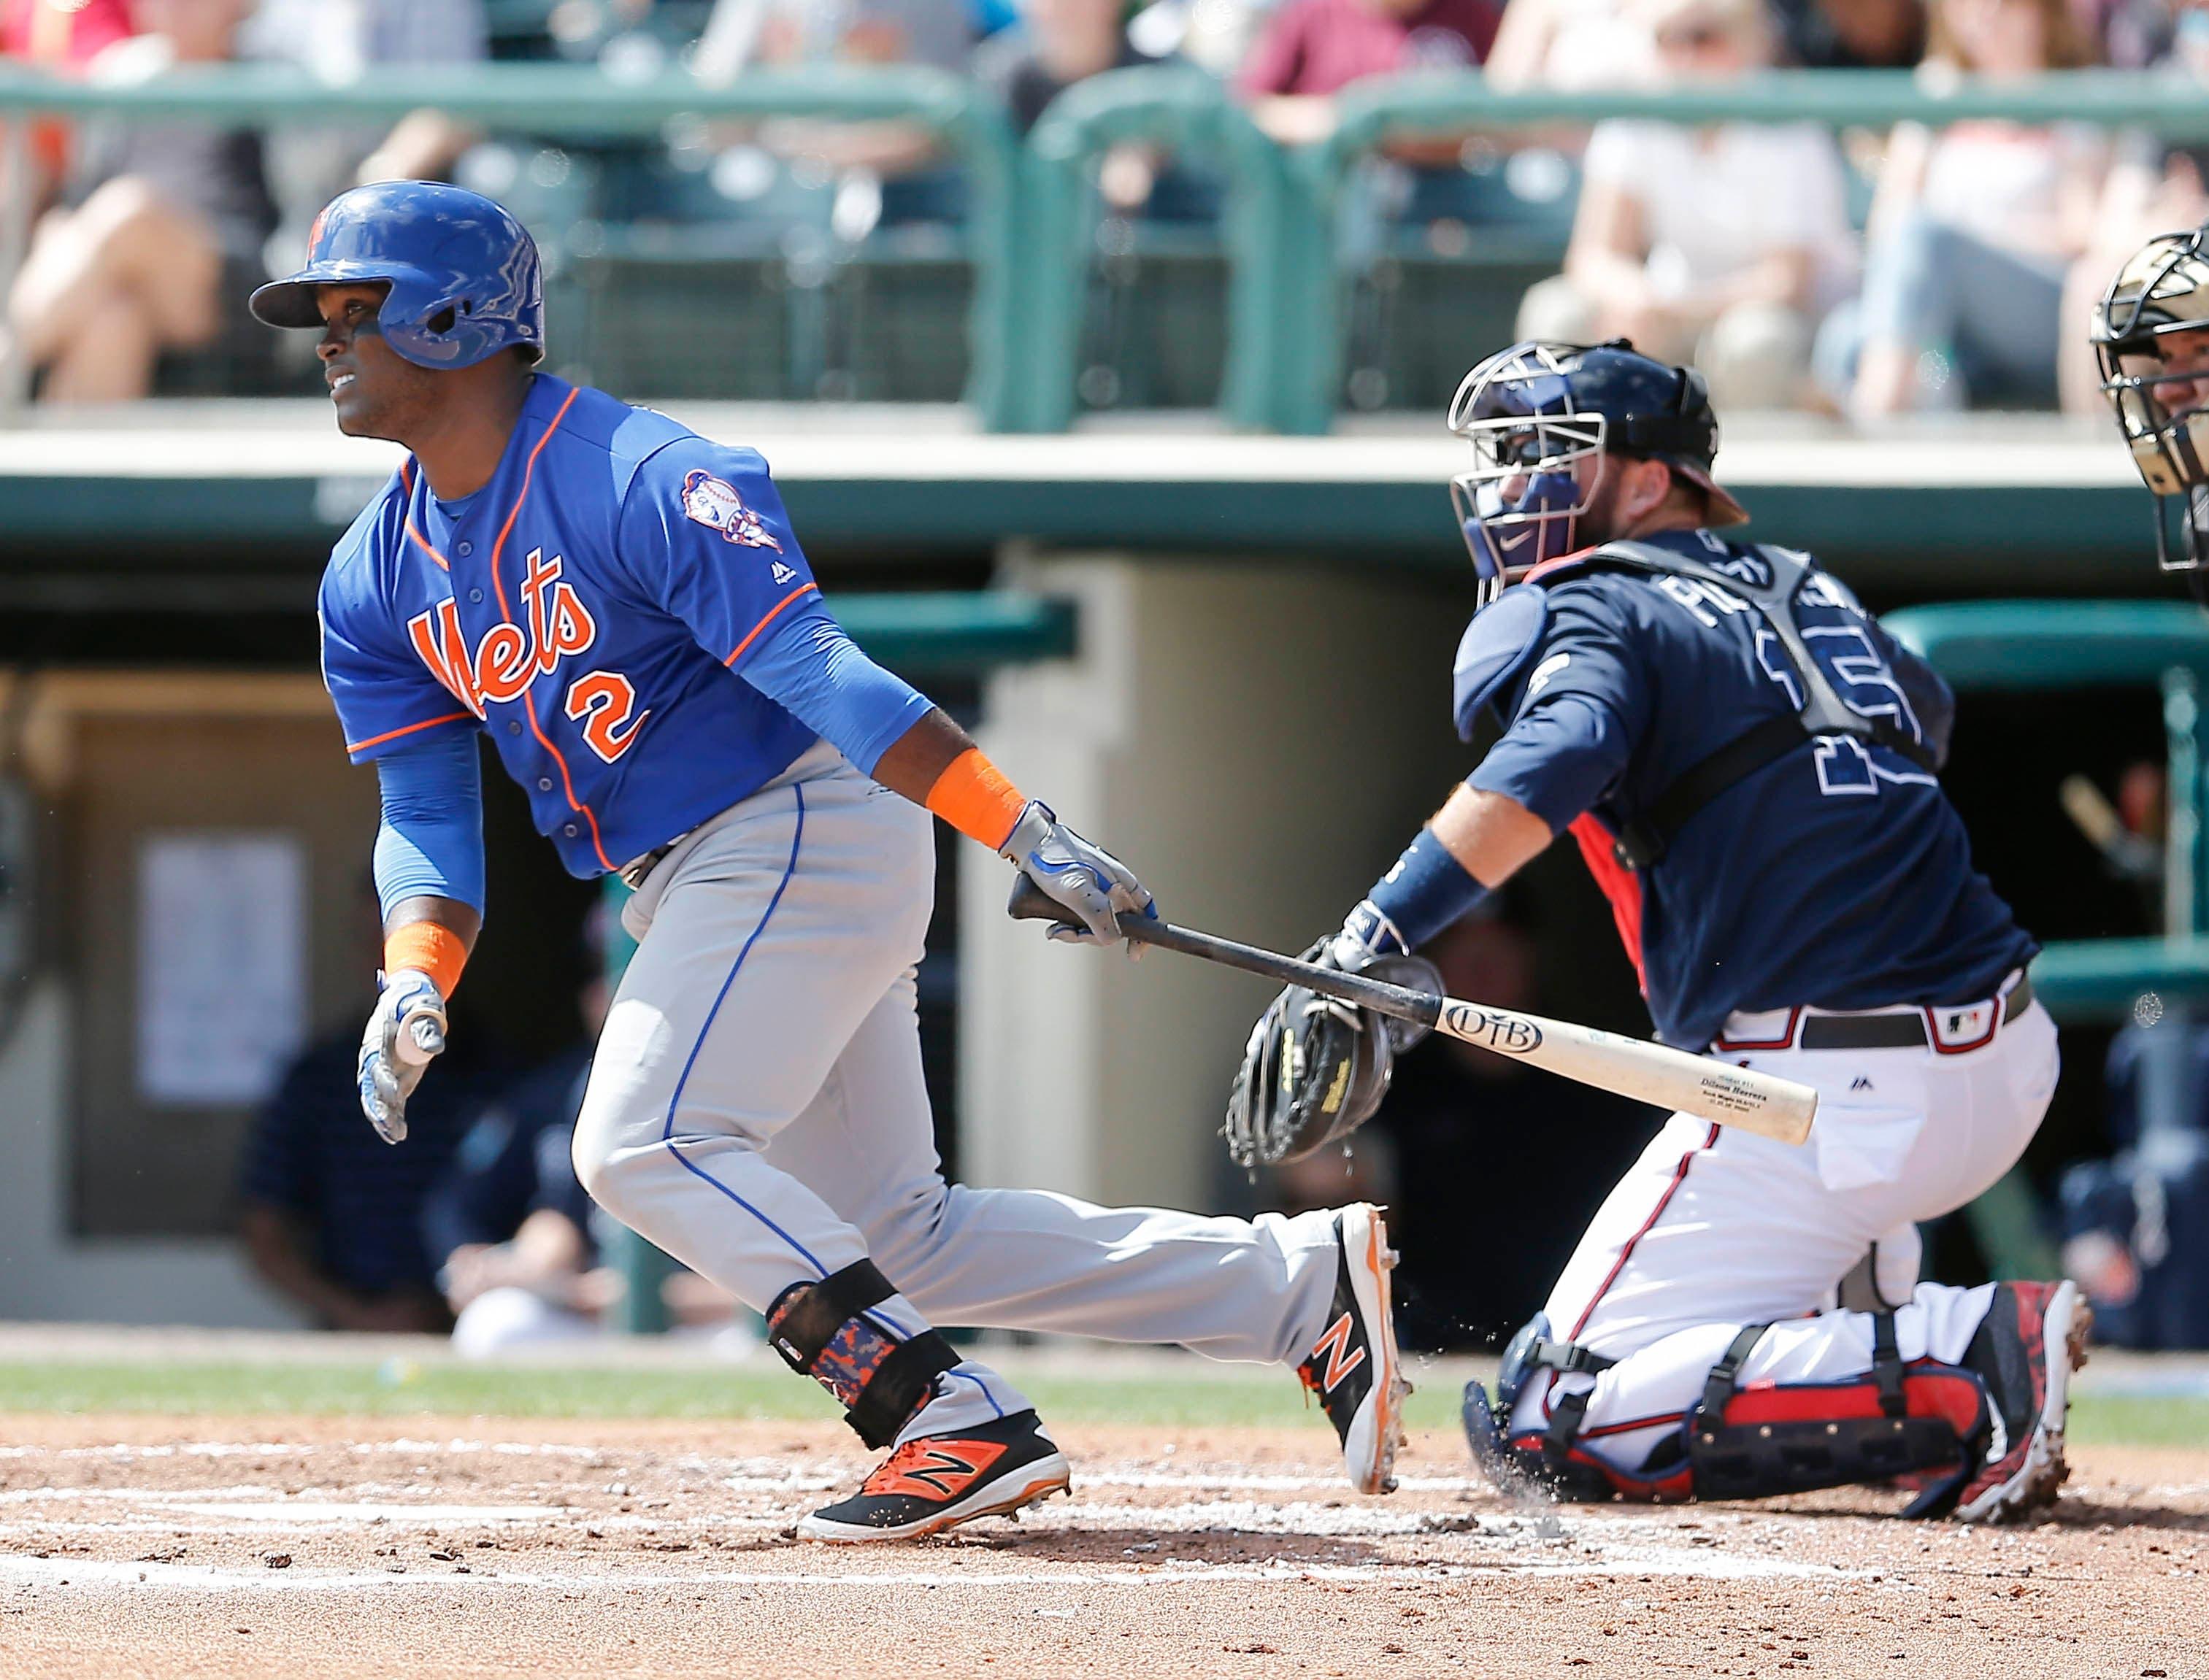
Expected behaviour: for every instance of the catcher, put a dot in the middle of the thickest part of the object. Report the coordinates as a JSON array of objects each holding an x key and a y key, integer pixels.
[{"x": 1749, "y": 765}]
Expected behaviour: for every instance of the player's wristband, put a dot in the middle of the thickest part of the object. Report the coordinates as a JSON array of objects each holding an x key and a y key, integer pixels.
[
  {"x": 1427, "y": 891},
  {"x": 429, "y": 948},
  {"x": 974, "y": 797}
]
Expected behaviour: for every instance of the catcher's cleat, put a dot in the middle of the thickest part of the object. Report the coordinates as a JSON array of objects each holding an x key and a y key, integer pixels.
[
  {"x": 933, "y": 1482},
  {"x": 2034, "y": 1336},
  {"x": 1353, "y": 1367}
]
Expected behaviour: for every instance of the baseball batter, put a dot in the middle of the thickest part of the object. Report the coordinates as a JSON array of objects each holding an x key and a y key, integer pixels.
[
  {"x": 1749, "y": 764},
  {"x": 622, "y": 606}
]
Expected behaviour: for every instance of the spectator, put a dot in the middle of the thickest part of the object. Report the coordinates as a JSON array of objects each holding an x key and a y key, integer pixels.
[
  {"x": 1567, "y": 43},
  {"x": 1971, "y": 233},
  {"x": 310, "y": 163},
  {"x": 2136, "y": 1227},
  {"x": 511, "y": 1223},
  {"x": 1056, "y": 44},
  {"x": 1851, "y": 34},
  {"x": 1059, "y": 43},
  {"x": 1311, "y": 50},
  {"x": 893, "y": 169},
  {"x": 1722, "y": 245},
  {"x": 63, "y": 34},
  {"x": 2152, "y": 186},
  {"x": 161, "y": 233},
  {"x": 332, "y": 1215}
]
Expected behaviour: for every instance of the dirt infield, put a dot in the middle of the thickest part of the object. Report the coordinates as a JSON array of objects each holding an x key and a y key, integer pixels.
[{"x": 135, "y": 1545}]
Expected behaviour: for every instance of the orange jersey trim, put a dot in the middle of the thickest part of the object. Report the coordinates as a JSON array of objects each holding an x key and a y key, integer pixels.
[
  {"x": 774, "y": 613},
  {"x": 394, "y": 734},
  {"x": 406, "y": 478},
  {"x": 497, "y": 549}
]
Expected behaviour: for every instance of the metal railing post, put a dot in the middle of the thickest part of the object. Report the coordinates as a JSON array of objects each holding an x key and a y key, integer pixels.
[{"x": 17, "y": 184}]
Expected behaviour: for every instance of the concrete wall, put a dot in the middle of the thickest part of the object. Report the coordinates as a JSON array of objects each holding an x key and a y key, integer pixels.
[{"x": 1259, "y": 744}]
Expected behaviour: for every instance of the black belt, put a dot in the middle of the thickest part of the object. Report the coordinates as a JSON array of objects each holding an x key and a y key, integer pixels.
[
  {"x": 1901, "y": 1029},
  {"x": 633, "y": 873}
]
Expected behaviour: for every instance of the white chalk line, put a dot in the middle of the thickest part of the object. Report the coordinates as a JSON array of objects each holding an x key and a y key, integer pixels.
[
  {"x": 743, "y": 1474},
  {"x": 89, "y": 1575}
]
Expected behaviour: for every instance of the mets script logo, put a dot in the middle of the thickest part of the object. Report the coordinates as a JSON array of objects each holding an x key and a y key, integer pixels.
[
  {"x": 555, "y": 624},
  {"x": 1513, "y": 1034},
  {"x": 714, "y": 502}
]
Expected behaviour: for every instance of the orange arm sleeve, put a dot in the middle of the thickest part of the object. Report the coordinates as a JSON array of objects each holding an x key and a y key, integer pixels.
[
  {"x": 974, "y": 797},
  {"x": 429, "y": 948}
]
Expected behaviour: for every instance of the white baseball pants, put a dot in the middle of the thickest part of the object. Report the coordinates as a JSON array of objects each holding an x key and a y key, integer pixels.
[
  {"x": 756, "y": 1109},
  {"x": 1713, "y": 1229}
]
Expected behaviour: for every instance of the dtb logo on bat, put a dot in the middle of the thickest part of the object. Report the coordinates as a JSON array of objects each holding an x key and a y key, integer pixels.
[
  {"x": 1512, "y": 1035},
  {"x": 554, "y": 623}
]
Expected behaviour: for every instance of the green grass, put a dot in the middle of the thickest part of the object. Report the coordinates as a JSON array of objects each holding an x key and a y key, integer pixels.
[{"x": 213, "y": 1389}]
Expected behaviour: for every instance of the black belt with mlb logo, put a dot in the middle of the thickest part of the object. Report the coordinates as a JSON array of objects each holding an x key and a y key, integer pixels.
[{"x": 1947, "y": 1028}]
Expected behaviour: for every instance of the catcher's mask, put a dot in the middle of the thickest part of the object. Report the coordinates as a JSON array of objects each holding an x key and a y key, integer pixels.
[
  {"x": 2162, "y": 408},
  {"x": 1534, "y": 412}
]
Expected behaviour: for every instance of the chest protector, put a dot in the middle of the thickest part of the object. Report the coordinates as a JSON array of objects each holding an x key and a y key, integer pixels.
[{"x": 1642, "y": 839}]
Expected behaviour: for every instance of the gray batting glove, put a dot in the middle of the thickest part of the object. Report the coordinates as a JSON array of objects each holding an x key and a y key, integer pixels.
[
  {"x": 1093, "y": 883},
  {"x": 406, "y": 1028}
]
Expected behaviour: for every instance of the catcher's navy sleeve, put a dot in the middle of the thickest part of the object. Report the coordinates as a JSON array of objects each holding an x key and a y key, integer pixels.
[{"x": 1585, "y": 710}]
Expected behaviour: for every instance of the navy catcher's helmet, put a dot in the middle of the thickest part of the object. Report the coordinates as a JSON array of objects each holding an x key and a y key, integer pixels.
[
  {"x": 463, "y": 272},
  {"x": 1532, "y": 411}
]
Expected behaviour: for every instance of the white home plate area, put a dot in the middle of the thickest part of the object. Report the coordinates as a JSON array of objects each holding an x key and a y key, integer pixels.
[{"x": 202, "y": 1547}]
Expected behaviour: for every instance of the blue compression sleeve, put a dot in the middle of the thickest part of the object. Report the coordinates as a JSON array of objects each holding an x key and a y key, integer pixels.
[
  {"x": 431, "y": 836},
  {"x": 816, "y": 673},
  {"x": 1427, "y": 891}
]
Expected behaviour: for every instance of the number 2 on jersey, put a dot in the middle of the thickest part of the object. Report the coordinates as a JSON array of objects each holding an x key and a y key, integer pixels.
[{"x": 602, "y": 702}]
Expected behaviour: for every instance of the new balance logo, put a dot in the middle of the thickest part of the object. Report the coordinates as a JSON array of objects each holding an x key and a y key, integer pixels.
[
  {"x": 924, "y": 1471},
  {"x": 1860, "y": 1083},
  {"x": 1335, "y": 1345}
]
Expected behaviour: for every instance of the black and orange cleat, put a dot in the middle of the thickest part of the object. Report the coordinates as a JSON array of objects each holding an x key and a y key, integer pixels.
[
  {"x": 934, "y": 1482},
  {"x": 2034, "y": 1336},
  {"x": 1354, "y": 1367}
]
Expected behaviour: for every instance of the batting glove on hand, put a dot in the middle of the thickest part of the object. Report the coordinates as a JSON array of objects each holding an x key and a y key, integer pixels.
[
  {"x": 1093, "y": 883},
  {"x": 406, "y": 1028},
  {"x": 1366, "y": 935}
]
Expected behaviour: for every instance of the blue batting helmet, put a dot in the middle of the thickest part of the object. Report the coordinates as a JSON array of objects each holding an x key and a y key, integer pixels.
[
  {"x": 1532, "y": 411},
  {"x": 463, "y": 272}
]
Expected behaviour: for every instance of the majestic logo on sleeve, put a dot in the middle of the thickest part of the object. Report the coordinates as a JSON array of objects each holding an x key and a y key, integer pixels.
[{"x": 714, "y": 502}]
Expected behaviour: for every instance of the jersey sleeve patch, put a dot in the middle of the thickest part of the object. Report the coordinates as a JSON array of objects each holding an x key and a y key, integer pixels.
[
  {"x": 1495, "y": 647},
  {"x": 715, "y": 504}
]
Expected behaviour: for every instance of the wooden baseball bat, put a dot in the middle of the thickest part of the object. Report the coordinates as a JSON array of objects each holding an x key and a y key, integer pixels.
[{"x": 1702, "y": 1086}]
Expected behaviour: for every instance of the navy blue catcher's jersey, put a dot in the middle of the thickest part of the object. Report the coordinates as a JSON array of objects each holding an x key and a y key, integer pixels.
[{"x": 1838, "y": 876}]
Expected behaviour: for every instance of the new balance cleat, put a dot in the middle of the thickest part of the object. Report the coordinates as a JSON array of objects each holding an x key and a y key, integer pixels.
[
  {"x": 934, "y": 1482},
  {"x": 1354, "y": 1367},
  {"x": 2034, "y": 1336}
]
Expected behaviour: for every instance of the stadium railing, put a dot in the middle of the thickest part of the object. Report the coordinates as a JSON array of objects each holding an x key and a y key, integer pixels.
[
  {"x": 1031, "y": 220},
  {"x": 576, "y": 103}
]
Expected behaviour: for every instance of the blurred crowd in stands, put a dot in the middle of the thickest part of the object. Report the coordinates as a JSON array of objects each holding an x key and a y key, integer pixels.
[{"x": 1865, "y": 273}]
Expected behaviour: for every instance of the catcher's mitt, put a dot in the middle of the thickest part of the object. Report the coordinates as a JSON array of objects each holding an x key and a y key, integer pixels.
[{"x": 1316, "y": 1069}]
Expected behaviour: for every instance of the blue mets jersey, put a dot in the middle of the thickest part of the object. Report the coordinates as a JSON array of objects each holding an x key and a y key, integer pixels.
[
  {"x": 1837, "y": 876},
  {"x": 591, "y": 608}
]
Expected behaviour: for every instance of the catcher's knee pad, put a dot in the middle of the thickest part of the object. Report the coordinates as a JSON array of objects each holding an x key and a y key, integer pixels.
[
  {"x": 880, "y": 1379},
  {"x": 1773, "y": 1438}
]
